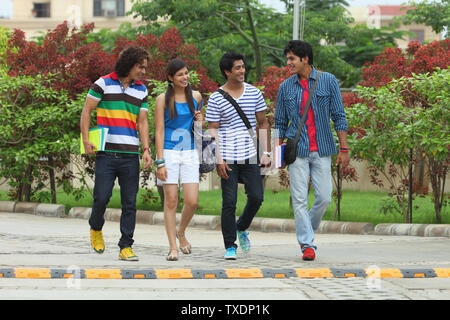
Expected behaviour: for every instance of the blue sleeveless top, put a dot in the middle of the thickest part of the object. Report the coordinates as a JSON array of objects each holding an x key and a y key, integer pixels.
[{"x": 178, "y": 131}]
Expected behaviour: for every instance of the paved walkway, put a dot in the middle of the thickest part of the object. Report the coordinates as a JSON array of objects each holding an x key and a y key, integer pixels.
[{"x": 347, "y": 266}]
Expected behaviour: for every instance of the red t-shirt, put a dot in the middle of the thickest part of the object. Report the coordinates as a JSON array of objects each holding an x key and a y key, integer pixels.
[{"x": 310, "y": 124}]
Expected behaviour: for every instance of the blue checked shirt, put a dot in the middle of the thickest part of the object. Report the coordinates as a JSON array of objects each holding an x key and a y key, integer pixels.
[{"x": 326, "y": 103}]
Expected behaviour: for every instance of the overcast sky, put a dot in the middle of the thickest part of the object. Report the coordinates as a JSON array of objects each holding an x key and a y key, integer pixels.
[{"x": 6, "y": 5}]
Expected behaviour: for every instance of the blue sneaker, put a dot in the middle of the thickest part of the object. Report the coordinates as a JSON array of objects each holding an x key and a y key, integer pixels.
[
  {"x": 244, "y": 241},
  {"x": 230, "y": 254}
]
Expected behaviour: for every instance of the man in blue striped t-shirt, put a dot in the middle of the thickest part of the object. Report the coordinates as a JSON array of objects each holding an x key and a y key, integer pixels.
[
  {"x": 316, "y": 143},
  {"x": 236, "y": 153}
]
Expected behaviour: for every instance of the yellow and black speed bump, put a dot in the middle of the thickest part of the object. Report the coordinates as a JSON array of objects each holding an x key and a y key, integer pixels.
[
  {"x": 209, "y": 274},
  {"x": 244, "y": 273},
  {"x": 279, "y": 273},
  {"x": 345, "y": 273}
]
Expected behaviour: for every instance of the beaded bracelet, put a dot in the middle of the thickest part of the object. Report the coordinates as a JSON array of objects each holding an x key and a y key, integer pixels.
[{"x": 344, "y": 149}]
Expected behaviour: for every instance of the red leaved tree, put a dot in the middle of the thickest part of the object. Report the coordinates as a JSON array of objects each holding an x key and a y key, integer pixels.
[
  {"x": 170, "y": 45},
  {"x": 63, "y": 53}
]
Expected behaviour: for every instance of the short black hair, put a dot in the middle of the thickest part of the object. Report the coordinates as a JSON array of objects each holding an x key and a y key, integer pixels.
[
  {"x": 128, "y": 58},
  {"x": 301, "y": 49},
  {"x": 227, "y": 61}
]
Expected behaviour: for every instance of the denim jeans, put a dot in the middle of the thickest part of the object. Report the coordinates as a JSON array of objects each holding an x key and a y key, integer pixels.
[
  {"x": 307, "y": 221},
  {"x": 108, "y": 167},
  {"x": 250, "y": 176}
]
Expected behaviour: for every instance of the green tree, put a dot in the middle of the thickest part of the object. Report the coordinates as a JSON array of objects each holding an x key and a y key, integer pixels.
[
  {"x": 213, "y": 20},
  {"x": 387, "y": 126},
  {"x": 435, "y": 14},
  {"x": 432, "y": 130},
  {"x": 4, "y": 38},
  {"x": 37, "y": 136}
]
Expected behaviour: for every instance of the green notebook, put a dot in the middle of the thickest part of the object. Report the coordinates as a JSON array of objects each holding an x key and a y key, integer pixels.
[{"x": 98, "y": 137}]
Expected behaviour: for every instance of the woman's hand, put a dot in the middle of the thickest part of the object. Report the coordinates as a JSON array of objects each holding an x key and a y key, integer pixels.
[{"x": 161, "y": 173}]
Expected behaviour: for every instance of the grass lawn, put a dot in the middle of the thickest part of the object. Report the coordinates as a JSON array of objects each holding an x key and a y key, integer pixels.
[{"x": 356, "y": 206}]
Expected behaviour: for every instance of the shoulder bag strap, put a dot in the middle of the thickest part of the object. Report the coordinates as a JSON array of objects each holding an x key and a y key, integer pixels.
[{"x": 241, "y": 113}]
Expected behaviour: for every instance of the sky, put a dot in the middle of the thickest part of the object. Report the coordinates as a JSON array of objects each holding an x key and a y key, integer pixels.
[
  {"x": 5, "y": 8},
  {"x": 6, "y": 5}
]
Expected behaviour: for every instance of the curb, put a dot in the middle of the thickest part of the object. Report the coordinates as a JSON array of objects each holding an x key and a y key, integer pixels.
[
  {"x": 375, "y": 273},
  {"x": 214, "y": 223}
]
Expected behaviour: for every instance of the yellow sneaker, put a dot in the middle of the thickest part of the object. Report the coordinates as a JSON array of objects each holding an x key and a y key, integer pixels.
[
  {"x": 127, "y": 254},
  {"x": 97, "y": 242}
]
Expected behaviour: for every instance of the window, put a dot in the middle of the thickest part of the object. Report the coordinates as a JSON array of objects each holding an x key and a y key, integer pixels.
[
  {"x": 419, "y": 35},
  {"x": 41, "y": 10},
  {"x": 109, "y": 8}
]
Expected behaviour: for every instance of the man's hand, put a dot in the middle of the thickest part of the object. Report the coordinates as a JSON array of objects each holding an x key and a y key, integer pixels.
[
  {"x": 265, "y": 161},
  {"x": 89, "y": 147},
  {"x": 222, "y": 169},
  {"x": 146, "y": 159},
  {"x": 343, "y": 158}
]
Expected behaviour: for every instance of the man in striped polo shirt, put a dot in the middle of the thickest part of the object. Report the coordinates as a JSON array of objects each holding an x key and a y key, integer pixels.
[
  {"x": 236, "y": 153},
  {"x": 121, "y": 100},
  {"x": 316, "y": 143}
]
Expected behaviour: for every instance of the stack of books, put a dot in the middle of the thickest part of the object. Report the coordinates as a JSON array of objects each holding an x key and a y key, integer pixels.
[
  {"x": 278, "y": 155},
  {"x": 97, "y": 136}
]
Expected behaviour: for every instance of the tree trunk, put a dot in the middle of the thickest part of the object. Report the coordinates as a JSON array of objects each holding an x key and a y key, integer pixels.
[
  {"x": 438, "y": 173},
  {"x": 256, "y": 45},
  {"x": 26, "y": 191},
  {"x": 51, "y": 173}
]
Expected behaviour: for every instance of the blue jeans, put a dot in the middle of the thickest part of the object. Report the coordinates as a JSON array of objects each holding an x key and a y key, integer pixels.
[
  {"x": 250, "y": 176},
  {"x": 307, "y": 221},
  {"x": 108, "y": 167}
]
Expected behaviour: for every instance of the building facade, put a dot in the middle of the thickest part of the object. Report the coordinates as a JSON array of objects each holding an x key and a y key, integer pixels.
[
  {"x": 378, "y": 16},
  {"x": 37, "y": 16}
]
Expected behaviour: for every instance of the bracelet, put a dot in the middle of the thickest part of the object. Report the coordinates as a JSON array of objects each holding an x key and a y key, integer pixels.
[
  {"x": 159, "y": 161},
  {"x": 146, "y": 149},
  {"x": 160, "y": 165},
  {"x": 344, "y": 149}
]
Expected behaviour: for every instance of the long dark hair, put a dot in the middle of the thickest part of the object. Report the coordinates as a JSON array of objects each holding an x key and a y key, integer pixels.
[{"x": 173, "y": 67}]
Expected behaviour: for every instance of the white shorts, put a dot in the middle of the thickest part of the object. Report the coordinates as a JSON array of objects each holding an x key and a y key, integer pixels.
[{"x": 182, "y": 166}]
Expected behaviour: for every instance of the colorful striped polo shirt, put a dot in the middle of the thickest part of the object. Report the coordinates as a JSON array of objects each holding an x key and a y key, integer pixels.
[{"x": 118, "y": 111}]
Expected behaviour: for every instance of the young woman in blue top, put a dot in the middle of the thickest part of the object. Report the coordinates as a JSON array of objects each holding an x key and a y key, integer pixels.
[{"x": 177, "y": 160}]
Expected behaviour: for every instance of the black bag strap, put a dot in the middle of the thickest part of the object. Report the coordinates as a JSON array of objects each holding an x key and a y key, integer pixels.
[
  {"x": 305, "y": 111},
  {"x": 241, "y": 113},
  {"x": 233, "y": 102}
]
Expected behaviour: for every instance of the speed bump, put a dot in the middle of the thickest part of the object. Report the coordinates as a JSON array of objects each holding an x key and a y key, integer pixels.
[
  {"x": 33, "y": 273},
  {"x": 243, "y": 273},
  {"x": 314, "y": 273},
  {"x": 173, "y": 273},
  {"x": 442, "y": 272},
  {"x": 103, "y": 274}
]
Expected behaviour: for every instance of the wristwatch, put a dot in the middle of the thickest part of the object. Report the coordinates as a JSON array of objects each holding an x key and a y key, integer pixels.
[{"x": 267, "y": 153}]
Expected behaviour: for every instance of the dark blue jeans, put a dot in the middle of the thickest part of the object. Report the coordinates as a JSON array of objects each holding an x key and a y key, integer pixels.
[
  {"x": 108, "y": 167},
  {"x": 249, "y": 175}
]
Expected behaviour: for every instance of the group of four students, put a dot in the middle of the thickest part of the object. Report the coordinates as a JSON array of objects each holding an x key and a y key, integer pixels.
[{"x": 121, "y": 102}]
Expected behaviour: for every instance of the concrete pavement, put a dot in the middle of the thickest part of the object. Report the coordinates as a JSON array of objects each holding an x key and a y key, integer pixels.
[{"x": 51, "y": 247}]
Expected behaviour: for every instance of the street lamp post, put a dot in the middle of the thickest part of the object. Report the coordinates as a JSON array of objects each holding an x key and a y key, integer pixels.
[
  {"x": 299, "y": 18},
  {"x": 296, "y": 19}
]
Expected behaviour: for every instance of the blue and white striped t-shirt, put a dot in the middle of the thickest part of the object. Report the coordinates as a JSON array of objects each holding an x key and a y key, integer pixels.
[{"x": 235, "y": 141}]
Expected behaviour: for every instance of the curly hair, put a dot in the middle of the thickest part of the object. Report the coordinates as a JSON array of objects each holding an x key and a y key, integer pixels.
[{"x": 128, "y": 58}]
